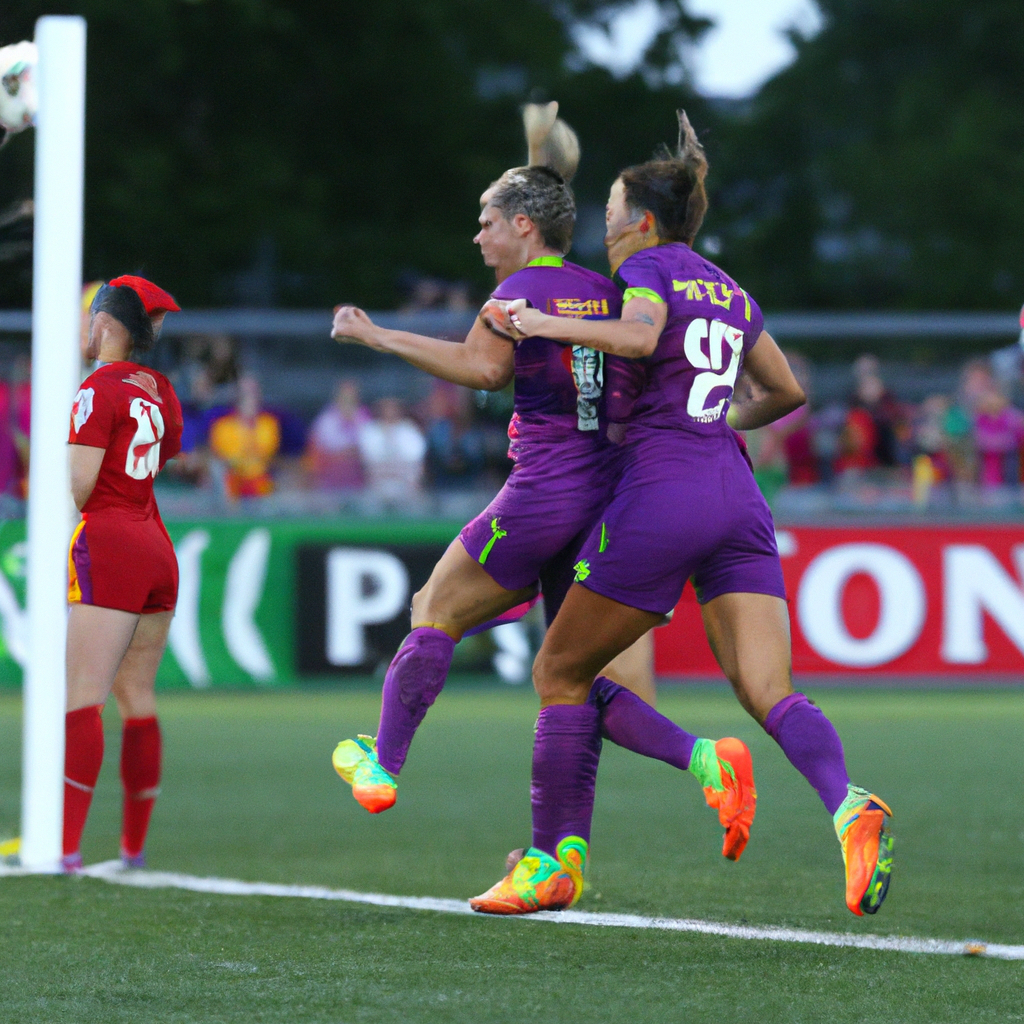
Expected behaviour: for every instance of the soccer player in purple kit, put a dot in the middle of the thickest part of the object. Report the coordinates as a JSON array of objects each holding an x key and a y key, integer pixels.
[
  {"x": 685, "y": 507},
  {"x": 564, "y": 463}
]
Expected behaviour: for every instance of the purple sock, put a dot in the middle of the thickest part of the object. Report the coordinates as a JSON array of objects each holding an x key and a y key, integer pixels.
[
  {"x": 632, "y": 723},
  {"x": 812, "y": 745},
  {"x": 414, "y": 678},
  {"x": 566, "y": 749}
]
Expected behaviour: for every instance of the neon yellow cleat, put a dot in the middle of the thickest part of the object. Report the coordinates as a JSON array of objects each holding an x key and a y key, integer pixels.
[
  {"x": 726, "y": 771},
  {"x": 867, "y": 849},
  {"x": 356, "y": 762},
  {"x": 539, "y": 882}
]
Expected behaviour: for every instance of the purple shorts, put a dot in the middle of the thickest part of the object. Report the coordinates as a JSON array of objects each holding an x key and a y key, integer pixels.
[
  {"x": 534, "y": 527},
  {"x": 685, "y": 508}
]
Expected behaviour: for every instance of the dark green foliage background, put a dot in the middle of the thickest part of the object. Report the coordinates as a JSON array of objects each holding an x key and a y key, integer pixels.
[{"x": 308, "y": 151}]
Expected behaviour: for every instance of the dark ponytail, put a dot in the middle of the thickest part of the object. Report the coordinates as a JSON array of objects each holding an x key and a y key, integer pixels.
[{"x": 671, "y": 186}]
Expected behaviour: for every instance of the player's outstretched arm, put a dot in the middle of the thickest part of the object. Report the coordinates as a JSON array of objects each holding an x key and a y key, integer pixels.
[
  {"x": 778, "y": 391},
  {"x": 484, "y": 360},
  {"x": 634, "y": 336},
  {"x": 85, "y": 469}
]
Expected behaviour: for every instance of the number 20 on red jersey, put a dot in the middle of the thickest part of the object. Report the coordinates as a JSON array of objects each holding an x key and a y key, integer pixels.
[{"x": 144, "y": 451}]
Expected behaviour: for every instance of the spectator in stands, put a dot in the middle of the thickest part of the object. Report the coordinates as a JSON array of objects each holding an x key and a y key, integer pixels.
[
  {"x": 246, "y": 441},
  {"x": 877, "y": 431},
  {"x": 215, "y": 373},
  {"x": 392, "y": 449},
  {"x": 858, "y": 442},
  {"x": 15, "y": 415},
  {"x": 332, "y": 451},
  {"x": 431, "y": 293},
  {"x": 998, "y": 438},
  {"x": 931, "y": 439},
  {"x": 931, "y": 464},
  {"x": 455, "y": 446},
  {"x": 10, "y": 461}
]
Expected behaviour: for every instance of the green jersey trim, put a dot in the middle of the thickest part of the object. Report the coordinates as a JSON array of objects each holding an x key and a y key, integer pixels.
[
  {"x": 547, "y": 261},
  {"x": 641, "y": 293}
]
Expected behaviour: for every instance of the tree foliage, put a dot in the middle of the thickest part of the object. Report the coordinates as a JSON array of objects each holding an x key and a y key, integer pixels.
[
  {"x": 299, "y": 152},
  {"x": 885, "y": 166},
  {"x": 303, "y": 151}
]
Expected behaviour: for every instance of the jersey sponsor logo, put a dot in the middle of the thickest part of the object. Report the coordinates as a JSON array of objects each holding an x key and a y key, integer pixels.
[
  {"x": 718, "y": 337},
  {"x": 147, "y": 382},
  {"x": 144, "y": 450},
  {"x": 588, "y": 375},
  {"x": 582, "y": 568},
  {"x": 82, "y": 409},
  {"x": 578, "y": 309},
  {"x": 718, "y": 293}
]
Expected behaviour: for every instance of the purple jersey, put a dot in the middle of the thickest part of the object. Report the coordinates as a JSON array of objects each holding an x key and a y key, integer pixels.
[
  {"x": 712, "y": 323},
  {"x": 567, "y": 387}
]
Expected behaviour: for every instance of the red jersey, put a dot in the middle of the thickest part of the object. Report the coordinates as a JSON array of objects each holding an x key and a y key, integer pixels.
[{"x": 132, "y": 412}]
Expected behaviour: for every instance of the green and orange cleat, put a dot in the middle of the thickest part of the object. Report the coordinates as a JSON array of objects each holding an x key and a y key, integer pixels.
[
  {"x": 726, "y": 772},
  {"x": 538, "y": 881},
  {"x": 861, "y": 825},
  {"x": 356, "y": 762}
]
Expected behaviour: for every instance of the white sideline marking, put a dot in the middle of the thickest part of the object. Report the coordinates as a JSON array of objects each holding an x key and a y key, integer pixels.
[{"x": 111, "y": 871}]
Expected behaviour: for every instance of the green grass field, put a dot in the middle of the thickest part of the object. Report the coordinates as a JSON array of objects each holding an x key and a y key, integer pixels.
[{"x": 249, "y": 793}]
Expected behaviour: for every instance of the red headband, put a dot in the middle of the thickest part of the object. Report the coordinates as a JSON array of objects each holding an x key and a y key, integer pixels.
[{"x": 154, "y": 298}]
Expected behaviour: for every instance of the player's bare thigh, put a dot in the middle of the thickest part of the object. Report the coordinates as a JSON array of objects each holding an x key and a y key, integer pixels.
[
  {"x": 460, "y": 594},
  {"x": 588, "y": 632},
  {"x": 97, "y": 641},
  {"x": 749, "y": 634},
  {"x": 136, "y": 677}
]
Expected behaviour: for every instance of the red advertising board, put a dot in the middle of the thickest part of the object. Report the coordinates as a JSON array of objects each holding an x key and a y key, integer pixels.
[{"x": 901, "y": 601}]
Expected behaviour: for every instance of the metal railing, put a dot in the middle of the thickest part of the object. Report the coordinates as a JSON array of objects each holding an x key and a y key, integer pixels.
[{"x": 791, "y": 326}]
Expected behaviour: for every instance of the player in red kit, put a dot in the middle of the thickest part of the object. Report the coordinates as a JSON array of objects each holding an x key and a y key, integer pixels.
[{"x": 123, "y": 575}]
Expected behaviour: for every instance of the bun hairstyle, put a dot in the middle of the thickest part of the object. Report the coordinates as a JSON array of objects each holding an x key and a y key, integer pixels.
[
  {"x": 671, "y": 186},
  {"x": 550, "y": 141},
  {"x": 541, "y": 189}
]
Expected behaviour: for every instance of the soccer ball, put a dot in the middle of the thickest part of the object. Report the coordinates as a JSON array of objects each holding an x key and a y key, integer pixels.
[{"x": 17, "y": 88}]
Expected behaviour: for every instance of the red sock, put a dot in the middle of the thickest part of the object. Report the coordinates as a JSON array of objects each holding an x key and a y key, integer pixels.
[
  {"x": 140, "y": 773},
  {"x": 83, "y": 755}
]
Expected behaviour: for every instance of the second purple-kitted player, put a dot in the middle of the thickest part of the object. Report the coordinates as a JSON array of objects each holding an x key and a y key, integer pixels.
[{"x": 685, "y": 507}]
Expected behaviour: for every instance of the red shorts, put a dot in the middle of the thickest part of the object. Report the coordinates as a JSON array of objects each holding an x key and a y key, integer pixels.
[{"x": 127, "y": 564}]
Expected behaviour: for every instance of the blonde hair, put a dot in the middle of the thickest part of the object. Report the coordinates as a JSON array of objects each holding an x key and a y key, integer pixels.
[
  {"x": 541, "y": 189},
  {"x": 550, "y": 141}
]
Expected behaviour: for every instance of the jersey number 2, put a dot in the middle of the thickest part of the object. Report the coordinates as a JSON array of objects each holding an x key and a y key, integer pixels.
[
  {"x": 144, "y": 451},
  {"x": 718, "y": 335}
]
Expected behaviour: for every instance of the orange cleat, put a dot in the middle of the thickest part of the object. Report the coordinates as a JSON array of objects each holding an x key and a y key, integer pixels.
[
  {"x": 356, "y": 762},
  {"x": 867, "y": 849},
  {"x": 726, "y": 772},
  {"x": 538, "y": 882}
]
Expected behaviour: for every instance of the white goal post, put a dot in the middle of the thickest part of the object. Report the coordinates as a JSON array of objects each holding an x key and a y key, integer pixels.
[{"x": 56, "y": 319}]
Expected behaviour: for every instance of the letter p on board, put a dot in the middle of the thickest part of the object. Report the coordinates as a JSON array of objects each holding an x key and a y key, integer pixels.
[{"x": 363, "y": 588}]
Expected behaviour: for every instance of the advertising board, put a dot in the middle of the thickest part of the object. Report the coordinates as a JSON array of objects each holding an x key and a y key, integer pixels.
[
  {"x": 925, "y": 601},
  {"x": 265, "y": 603}
]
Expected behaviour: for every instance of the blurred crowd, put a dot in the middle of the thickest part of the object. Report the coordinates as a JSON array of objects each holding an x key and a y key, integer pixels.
[
  {"x": 949, "y": 449},
  {"x": 383, "y": 455},
  {"x": 389, "y": 454}
]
